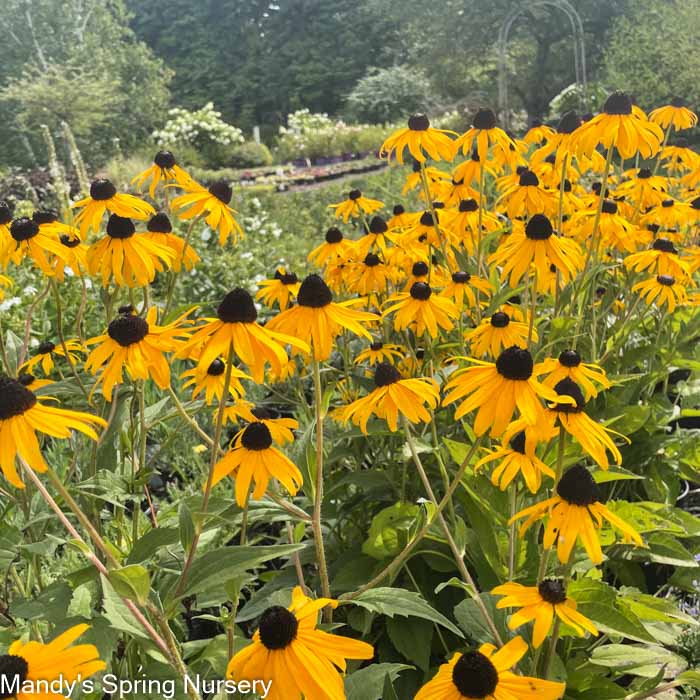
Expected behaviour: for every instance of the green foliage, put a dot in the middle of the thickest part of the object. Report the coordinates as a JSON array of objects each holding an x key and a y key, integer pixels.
[
  {"x": 653, "y": 52},
  {"x": 250, "y": 155},
  {"x": 389, "y": 94}
]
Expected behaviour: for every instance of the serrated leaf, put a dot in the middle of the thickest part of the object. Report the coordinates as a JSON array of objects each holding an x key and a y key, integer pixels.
[
  {"x": 405, "y": 632},
  {"x": 368, "y": 683},
  {"x": 132, "y": 582},
  {"x": 390, "y": 530},
  {"x": 637, "y": 660},
  {"x": 81, "y": 603},
  {"x": 148, "y": 545},
  {"x": 470, "y": 618},
  {"x": 118, "y": 615}
]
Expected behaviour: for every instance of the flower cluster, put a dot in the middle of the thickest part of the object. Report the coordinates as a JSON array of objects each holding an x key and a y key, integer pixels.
[{"x": 190, "y": 127}]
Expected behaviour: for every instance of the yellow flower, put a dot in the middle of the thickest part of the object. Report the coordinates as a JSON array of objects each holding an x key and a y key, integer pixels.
[
  {"x": 211, "y": 380},
  {"x": 675, "y": 114},
  {"x": 483, "y": 134},
  {"x": 421, "y": 140},
  {"x": 160, "y": 232},
  {"x": 485, "y": 674},
  {"x": 662, "y": 289},
  {"x": 165, "y": 169},
  {"x": 22, "y": 414},
  {"x": 105, "y": 198},
  {"x": 421, "y": 310},
  {"x": 380, "y": 352},
  {"x": 28, "y": 240},
  {"x": 295, "y": 658},
  {"x": 496, "y": 333},
  {"x": 45, "y": 353},
  {"x": 355, "y": 205},
  {"x": 280, "y": 290},
  {"x": 213, "y": 203},
  {"x": 569, "y": 365},
  {"x": 526, "y": 197},
  {"x": 393, "y": 396},
  {"x": 542, "y": 603},
  {"x": 334, "y": 248},
  {"x": 575, "y": 512}
]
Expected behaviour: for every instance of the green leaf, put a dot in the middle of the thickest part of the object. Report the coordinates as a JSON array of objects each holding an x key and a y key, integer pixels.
[
  {"x": 388, "y": 692},
  {"x": 132, "y": 582},
  {"x": 186, "y": 526},
  {"x": 691, "y": 678},
  {"x": 218, "y": 566},
  {"x": 398, "y": 601},
  {"x": 614, "y": 474},
  {"x": 637, "y": 660},
  {"x": 470, "y": 618},
  {"x": 148, "y": 545},
  {"x": 648, "y": 607},
  {"x": 13, "y": 346},
  {"x": 118, "y": 615},
  {"x": 81, "y": 603},
  {"x": 368, "y": 683},
  {"x": 390, "y": 530},
  {"x": 412, "y": 636}
]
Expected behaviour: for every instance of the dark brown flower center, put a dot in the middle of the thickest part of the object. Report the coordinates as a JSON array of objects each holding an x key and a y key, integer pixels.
[
  {"x": 421, "y": 291},
  {"x": 222, "y": 191},
  {"x": 528, "y": 179},
  {"x": 23, "y": 229},
  {"x": 517, "y": 442},
  {"x": 667, "y": 203},
  {"x": 552, "y": 590},
  {"x": 314, "y": 292},
  {"x": 419, "y": 269},
  {"x": 468, "y": 205},
  {"x": 334, "y": 235},
  {"x": 160, "y": 223},
  {"x": 13, "y": 673},
  {"x": 5, "y": 213},
  {"x": 216, "y": 368},
  {"x": 372, "y": 260},
  {"x": 45, "y": 347},
  {"x": 568, "y": 387},
  {"x": 164, "y": 159},
  {"x": 666, "y": 280},
  {"x": 484, "y": 119},
  {"x": 664, "y": 245},
  {"x": 278, "y": 628},
  {"x": 677, "y": 102},
  {"x": 515, "y": 363},
  {"x": 577, "y": 486},
  {"x": 644, "y": 173},
  {"x": 288, "y": 278},
  {"x": 570, "y": 358},
  {"x": 399, "y": 209},
  {"x": 261, "y": 413},
  {"x": 500, "y": 319},
  {"x": 256, "y": 436},
  {"x": 386, "y": 374},
  {"x": 354, "y": 195},
  {"x": 102, "y": 190},
  {"x": 474, "y": 675},
  {"x": 378, "y": 225},
  {"x": 539, "y": 228},
  {"x": 461, "y": 277},
  {"x": 378, "y": 345},
  {"x": 237, "y": 307},
  {"x": 45, "y": 216},
  {"x": 609, "y": 207},
  {"x": 569, "y": 122},
  {"x": 128, "y": 329},
  {"x": 69, "y": 241},
  {"x": 418, "y": 122},
  {"x": 618, "y": 103},
  {"x": 426, "y": 218},
  {"x": 120, "y": 227},
  {"x": 15, "y": 398}
]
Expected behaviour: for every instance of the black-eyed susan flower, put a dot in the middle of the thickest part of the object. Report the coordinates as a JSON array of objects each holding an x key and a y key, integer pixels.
[
  {"x": 558, "y": 143},
  {"x": 293, "y": 656},
  {"x": 47, "y": 350},
  {"x": 662, "y": 257},
  {"x": 468, "y": 171},
  {"x": 617, "y": 125},
  {"x": 137, "y": 345},
  {"x": 527, "y": 196},
  {"x": 496, "y": 333},
  {"x": 130, "y": 259},
  {"x": 252, "y": 458},
  {"x": 644, "y": 188},
  {"x": 7, "y": 243},
  {"x": 497, "y": 389},
  {"x": 516, "y": 459},
  {"x": 462, "y": 224},
  {"x": 74, "y": 261},
  {"x": 355, "y": 205},
  {"x": 542, "y": 603},
  {"x": 211, "y": 381},
  {"x": 394, "y": 396},
  {"x": 537, "y": 244},
  {"x": 483, "y": 134},
  {"x": 160, "y": 230},
  {"x": 26, "y": 663},
  {"x": 376, "y": 239},
  {"x": 105, "y": 198},
  {"x": 317, "y": 320},
  {"x": 674, "y": 114},
  {"x": 669, "y": 214},
  {"x": 334, "y": 248},
  {"x": 614, "y": 230},
  {"x": 370, "y": 276},
  {"x": 22, "y": 414},
  {"x": 212, "y": 203},
  {"x": 399, "y": 218},
  {"x": 421, "y": 310},
  {"x": 485, "y": 675},
  {"x": 280, "y": 289},
  {"x": 28, "y": 240},
  {"x": 236, "y": 329},
  {"x": 663, "y": 290},
  {"x": 281, "y": 427},
  {"x": 538, "y": 133},
  {"x": 433, "y": 175},
  {"x": 379, "y": 352},
  {"x": 164, "y": 169},
  {"x": 575, "y": 513},
  {"x": 463, "y": 288},
  {"x": 422, "y": 141},
  {"x": 591, "y": 378}
]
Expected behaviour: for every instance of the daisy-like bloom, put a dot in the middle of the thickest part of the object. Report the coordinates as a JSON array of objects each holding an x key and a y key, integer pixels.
[
  {"x": 663, "y": 289},
  {"x": 280, "y": 290},
  {"x": 617, "y": 125},
  {"x": 527, "y": 197},
  {"x": 293, "y": 656},
  {"x": 593, "y": 437},
  {"x": 214, "y": 203},
  {"x": 670, "y": 214},
  {"x": 317, "y": 320},
  {"x": 558, "y": 143},
  {"x": 253, "y": 458},
  {"x": 281, "y": 428},
  {"x": 50, "y": 225},
  {"x": 569, "y": 364},
  {"x": 422, "y": 141},
  {"x": 515, "y": 458},
  {"x": 355, "y": 205},
  {"x": 160, "y": 231},
  {"x": 542, "y": 603},
  {"x": 137, "y": 345},
  {"x": 467, "y": 172},
  {"x": 28, "y": 240},
  {"x": 575, "y": 513},
  {"x": 614, "y": 231},
  {"x": 377, "y": 237},
  {"x": 485, "y": 675},
  {"x": 26, "y": 663},
  {"x": 435, "y": 177},
  {"x": 105, "y": 198},
  {"x": 379, "y": 352},
  {"x": 369, "y": 277},
  {"x": 421, "y": 311},
  {"x": 496, "y": 389},
  {"x": 483, "y": 134},
  {"x": 538, "y": 133},
  {"x": 393, "y": 396},
  {"x": 7, "y": 243},
  {"x": 675, "y": 114},
  {"x": 537, "y": 244},
  {"x": 334, "y": 248},
  {"x": 460, "y": 289},
  {"x": 75, "y": 258},
  {"x": 399, "y": 218},
  {"x": 211, "y": 380},
  {"x": 165, "y": 169},
  {"x": 236, "y": 329},
  {"x": 462, "y": 224},
  {"x": 45, "y": 353},
  {"x": 496, "y": 333},
  {"x": 22, "y": 414},
  {"x": 31, "y": 382},
  {"x": 661, "y": 258},
  {"x": 131, "y": 259}
]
